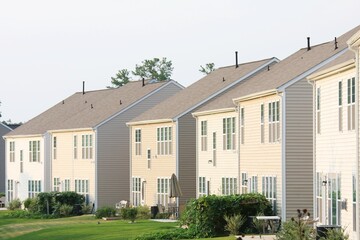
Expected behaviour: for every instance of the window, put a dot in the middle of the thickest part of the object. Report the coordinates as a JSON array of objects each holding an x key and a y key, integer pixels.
[
  {"x": 56, "y": 187},
  {"x": 269, "y": 190},
  {"x": 137, "y": 141},
  {"x": 164, "y": 141},
  {"x": 354, "y": 201},
  {"x": 34, "y": 188},
  {"x": 319, "y": 197},
  {"x": 214, "y": 149},
  {"x": 262, "y": 128},
  {"x": 148, "y": 158},
  {"x": 202, "y": 187},
  {"x": 10, "y": 190},
  {"x": 334, "y": 199},
  {"x": 54, "y": 147},
  {"x": 163, "y": 191},
  {"x": 75, "y": 144},
  {"x": 244, "y": 182},
  {"x": 274, "y": 121},
  {"x": 318, "y": 115},
  {"x": 12, "y": 151},
  {"x": 66, "y": 185},
  {"x": 87, "y": 146},
  {"x": 21, "y": 161},
  {"x": 351, "y": 103},
  {"x": 136, "y": 191},
  {"x": 242, "y": 119},
  {"x": 253, "y": 184},
  {"x": 229, "y": 186},
  {"x": 340, "y": 107},
  {"x": 229, "y": 133},
  {"x": 82, "y": 187},
  {"x": 34, "y": 151},
  {"x": 203, "y": 135}
]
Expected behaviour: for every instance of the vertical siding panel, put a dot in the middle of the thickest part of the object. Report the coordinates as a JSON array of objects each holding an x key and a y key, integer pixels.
[{"x": 3, "y": 131}]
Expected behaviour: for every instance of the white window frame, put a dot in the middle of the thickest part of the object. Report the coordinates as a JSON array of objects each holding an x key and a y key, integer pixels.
[
  {"x": 244, "y": 182},
  {"x": 136, "y": 190},
  {"x": 333, "y": 192},
  {"x": 66, "y": 186},
  {"x": 87, "y": 146},
  {"x": 82, "y": 187},
  {"x": 56, "y": 184},
  {"x": 34, "y": 188},
  {"x": 214, "y": 144},
  {"x": 10, "y": 190},
  {"x": 162, "y": 191},
  {"x": 12, "y": 151},
  {"x": 164, "y": 140},
  {"x": 229, "y": 185},
  {"x": 242, "y": 125},
  {"x": 351, "y": 103},
  {"x": 138, "y": 141},
  {"x": 21, "y": 161},
  {"x": 340, "y": 105},
  {"x": 202, "y": 187},
  {"x": 319, "y": 196},
  {"x": 262, "y": 121},
  {"x": 34, "y": 151},
  {"x": 75, "y": 146},
  {"x": 229, "y": 133},
  {"x": 354, "y": 200},
  {"x": 203, "y": 134},
  {"x": 274, "y": 121},
  {"x": 54, "y": 147},
  {"x": 253, "y": 184},
  {"x": 148, "y": 155},
  {"x": 269, "y": 190}
]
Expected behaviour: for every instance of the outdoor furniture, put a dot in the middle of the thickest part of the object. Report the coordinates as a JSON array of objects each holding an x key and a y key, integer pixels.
[
  {"x": 173, "y": 209},
  {"x": 121, "y": 204},
  {"x": 272, "y": 223},
  {"x": 2, "y": 202}
]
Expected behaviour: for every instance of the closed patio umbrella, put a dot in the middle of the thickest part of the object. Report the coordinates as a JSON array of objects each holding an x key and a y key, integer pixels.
[{"x": 175, "y": 190}]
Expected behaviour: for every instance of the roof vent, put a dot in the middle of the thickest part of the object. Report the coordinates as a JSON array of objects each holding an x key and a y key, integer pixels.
[
  {"x": 63, "y": 102},
  {"x": 268, "y": 67},
  {"x": 223, "y": 79},
  {"x": 92, "y": 106},
  {"x": 236, "y": 60},
  {"x": 143, "y": 83},
  {"x": 83, "y": 87},
  {"x": 308, "y": 44},
  {"x": 120, "y": 102},
  {"x": 335, "y": 42}
]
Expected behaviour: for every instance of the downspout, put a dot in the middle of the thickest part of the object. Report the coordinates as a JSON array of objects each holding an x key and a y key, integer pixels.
[
  {"x": 312, "y": 83},
  {"x": 283, "y": 152},
  {"x": 357, "y": 65},
  {"x": 177, "y": 158}
]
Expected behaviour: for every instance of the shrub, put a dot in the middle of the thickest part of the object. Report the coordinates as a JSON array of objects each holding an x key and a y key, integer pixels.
[
  {"x": 129, "y": 213},
  {"x": 234, "y": 223},
  {"x": 27, "y": 214},
  {"x": 164, "y": 215},
  {"x": 86, "y": 208},
  {"x": 105, "y": 212},
  {"x": 143, "y": 212},
  {"x": 2, "y": 194},
  {"x": 14, "y": 204},
  {"x": 168, "y": 235},
  {"x": 30, "y": 204},
  {"x": 297, "y": 228},
  {"x": 65, "y": 210},
  {"x": 335, "y": 234}
]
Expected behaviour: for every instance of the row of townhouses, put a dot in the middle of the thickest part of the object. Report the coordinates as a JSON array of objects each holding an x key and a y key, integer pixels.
[{"x": 288, "y": 129}]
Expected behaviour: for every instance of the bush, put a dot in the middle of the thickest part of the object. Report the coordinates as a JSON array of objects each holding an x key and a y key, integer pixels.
[
  {"x": 65, "y": 210},
  {"x": 335, "y": 234},
  {"x": 234, "y": 223},
  {"x": 2, "y": 194},
  {"x": 105, "y": 212},
  {"x": 14, "y": 204},
  {"x": 27, "y": 214},
  {"x": 86, "y": 209},
  {"x": 129, "y": 213},
  {"x": 30, "y": 204},
  {"x": 297, "y": 228},
  {"x": 164, "y": 215},
  {"x": 168, "y": 235},
  {"x": 205, "y": 215},
  {"x": 143, "y": 212}
]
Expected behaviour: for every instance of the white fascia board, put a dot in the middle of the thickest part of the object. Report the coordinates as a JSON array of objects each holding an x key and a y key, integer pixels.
[
  {"x": 354, "y": 41},
  {"x": 272, "y": 60},
  {"x": 138, "y": 101},
  {"x": 214, "y": 111},
  {"x": 165, "y": 120},
  {"x": 23, "y": 136},
  {"x": 311, "y": 70},
  {"x": 342, "y": 67},
  {"x": 70, "y": 130}
]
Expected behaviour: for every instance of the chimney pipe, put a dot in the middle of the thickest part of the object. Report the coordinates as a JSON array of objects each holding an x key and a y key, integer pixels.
[
  {"x": 236, "y": 60},
  {"x": 308, "y": 44},
  {"x": 143, "y": 82},
  {"x": 83, "y": 87},
  {"x": 336, "y": 46}
]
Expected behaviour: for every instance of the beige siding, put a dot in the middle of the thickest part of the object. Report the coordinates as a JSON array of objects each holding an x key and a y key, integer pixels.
[
  {"x": 226, "y": 160},
  {"x": 256, "y": 158},
  {"x": 336, "y": 150},
  {"x": 161, "y": 165},
  {"x": 299, "y": 148}
]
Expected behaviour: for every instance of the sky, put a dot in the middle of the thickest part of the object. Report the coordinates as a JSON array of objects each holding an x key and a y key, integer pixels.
[{"x": 48, "y": 48}]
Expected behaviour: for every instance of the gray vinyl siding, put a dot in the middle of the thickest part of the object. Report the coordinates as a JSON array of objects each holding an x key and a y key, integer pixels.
[
  {"x": 187, "y": 158},
  {"x": 113, "y": 144},
  {"x": 299, "y": 148},
  {"x": 3, "y": 131}
]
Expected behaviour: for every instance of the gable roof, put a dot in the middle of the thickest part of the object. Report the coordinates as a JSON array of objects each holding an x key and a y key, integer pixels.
[
  {"x": 283, "y": 72},
  {"x": 202, "y": 90},
  {"x": 90, "y": 109}
]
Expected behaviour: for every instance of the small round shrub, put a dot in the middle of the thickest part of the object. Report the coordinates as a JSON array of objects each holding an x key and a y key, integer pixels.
[
  {"x": 65, "y": 210},
  {"x": 14, "y": 204},
  {"x": 105, "y": 212},
  {"x": 143, "y": 212},
  {"x": 129, "y": 213}
]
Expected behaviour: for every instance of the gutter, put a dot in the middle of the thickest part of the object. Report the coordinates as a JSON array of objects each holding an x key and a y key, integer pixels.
[{"x": 215, "y": 111}]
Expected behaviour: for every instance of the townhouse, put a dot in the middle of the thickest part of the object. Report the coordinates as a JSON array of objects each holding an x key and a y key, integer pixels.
[
  {"x": 81, "y": 144},
  {"x": 270, "y": 131},
  {"x": 163, "y": 139},
  {"x": 3, "y": 130},
  {"x": 336, "y": 148}
]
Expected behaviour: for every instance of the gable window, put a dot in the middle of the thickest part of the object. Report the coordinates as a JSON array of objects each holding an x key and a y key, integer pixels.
[
  {"x": 34, "y": 188},
  {"x": 229, "y": 133},
  {"x": 12, "y": 151},
  {"x": 262, "y": 128},
  {"x": 269, "y": 190},
  {"x": 202, "y": 187},
  {"x": 75, "y": 144},
  {"x": 137, "y": 141},
  {"x": 203, "y": 135},
  {"x": 244, "y": 182},
  {"x": 229, "y": 186},
  {"x": 82, "y": 187},
  {"x": 136, "y": 191},
  {"x": 54, "y": 147},
  {"x": 164, "y": 141},
  {"x": 34, "y": 151},
  {"x": 340, "y": 106},
  {"x": 163, "y": 191},
  {"x": 66, "y": 185},
  {"x": 242, "y": 119},
  {"x": 56, "y": 187},
  {"x": 351, "y": 103},
  {"x": 274, "y": 121},
  {"x": 87, "y": 146},
  {"x": 10, "y": 190}
]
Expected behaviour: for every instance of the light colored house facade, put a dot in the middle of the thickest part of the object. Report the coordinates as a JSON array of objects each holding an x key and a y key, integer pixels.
[
  {"x": 168, "y": 131},
  {"x": 4, "y": 129},
  {"x": 84, "y": 142},
  {"x": 336, "y": 137},
  {"x": 274, "y": 128}
]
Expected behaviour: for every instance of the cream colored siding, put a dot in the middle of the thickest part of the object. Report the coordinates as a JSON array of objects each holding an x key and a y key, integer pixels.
[
  {"x": 226, "y": 160},
  {"x": 336, "y": 150},
  {"x": 299, "y": 147},
  {"x": 266, "y": 162},
  {"x": 162, "y": 166}
]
